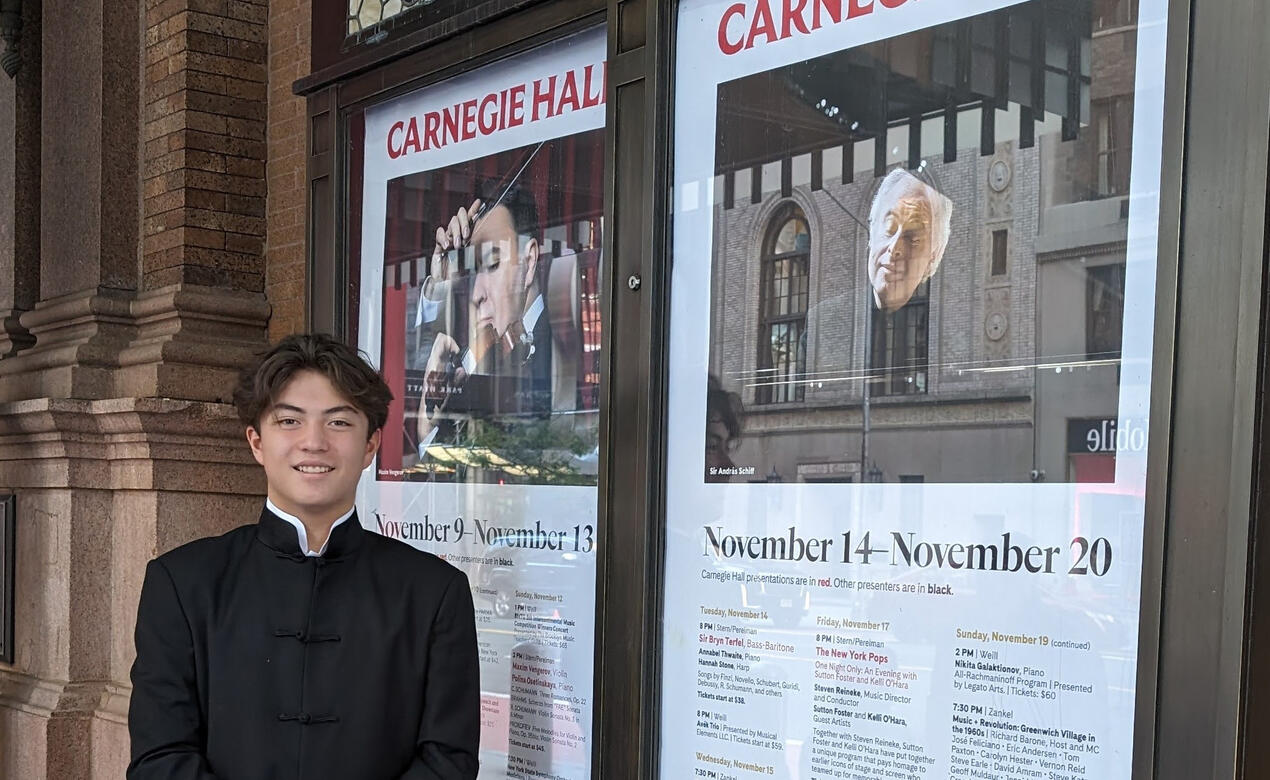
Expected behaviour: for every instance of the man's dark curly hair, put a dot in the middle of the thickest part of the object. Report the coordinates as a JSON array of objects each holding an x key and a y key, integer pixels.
[
  {"x": 354, "y": 378},
  {"x": 518, "y": 201}
]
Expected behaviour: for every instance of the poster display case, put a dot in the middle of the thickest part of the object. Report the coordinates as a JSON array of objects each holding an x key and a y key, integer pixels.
[
  {"x": 482, "y": 223},
  {"x": 912, "y": 316}
]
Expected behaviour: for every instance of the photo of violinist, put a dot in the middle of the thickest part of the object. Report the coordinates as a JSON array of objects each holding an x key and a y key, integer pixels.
[{"x": 491, "y": 280}]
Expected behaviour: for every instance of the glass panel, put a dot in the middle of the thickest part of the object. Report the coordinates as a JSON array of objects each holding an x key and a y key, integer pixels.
[
  {"x": 365, "y": 15},
  {"x": 480, "y": 285},
  {"x": 793, "y": 237},
  {"x": 1104, "y": 307},
  {"x": 904, "y": 519},
  {"x": 368, "y": 21}
]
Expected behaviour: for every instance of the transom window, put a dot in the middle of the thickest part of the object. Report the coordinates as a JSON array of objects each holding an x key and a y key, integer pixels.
[{"x": 365, "y": 17}]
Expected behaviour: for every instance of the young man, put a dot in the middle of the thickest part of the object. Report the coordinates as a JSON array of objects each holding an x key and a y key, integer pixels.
[{"x": 304, "y": 646}]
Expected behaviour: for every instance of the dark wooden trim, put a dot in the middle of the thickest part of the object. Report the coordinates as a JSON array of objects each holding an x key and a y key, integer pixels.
[
  {"x": 349, "y": 221},
  {"x": 504, "y": 38},
  {"x": 633, "y": 384},
  {"x": 1201, "y": 496},
  {"x": 1255, "y": 717},
  {"x": 327, "y": 275}
]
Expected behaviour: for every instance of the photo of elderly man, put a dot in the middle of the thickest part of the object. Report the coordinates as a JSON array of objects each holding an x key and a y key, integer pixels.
[{"x": 909, "y": 223}]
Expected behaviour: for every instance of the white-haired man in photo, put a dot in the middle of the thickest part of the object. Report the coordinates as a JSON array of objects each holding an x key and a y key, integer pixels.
[{"x": 909, "y": 224}]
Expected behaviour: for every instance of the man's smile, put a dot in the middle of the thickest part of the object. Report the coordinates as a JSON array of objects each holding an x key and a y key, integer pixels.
[{"x": 313, "y": 468}]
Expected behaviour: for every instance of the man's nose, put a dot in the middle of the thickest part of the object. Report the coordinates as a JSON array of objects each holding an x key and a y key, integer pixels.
[
  {"x": 480, "y": 290},
  {"x": 314, "y": 438},
  {"x": 895, "y": 246}
]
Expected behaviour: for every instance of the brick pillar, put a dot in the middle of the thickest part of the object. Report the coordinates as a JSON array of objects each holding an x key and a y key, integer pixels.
[
  {"x": 285, "y": 250},
  {"x": 205, "y": 144}
]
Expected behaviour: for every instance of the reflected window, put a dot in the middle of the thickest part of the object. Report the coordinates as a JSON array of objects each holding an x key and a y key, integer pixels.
[
  {"x": 1104, "y": 311},
  {"x": 1000, "y": 243},
  {"x": 592, "y": 332},
  {"x": 899, "y": 349},
  {"x": 782, "y": 351},
  {"x": 1109, "y": 14},
  {"x": 1113, "y": 123}
]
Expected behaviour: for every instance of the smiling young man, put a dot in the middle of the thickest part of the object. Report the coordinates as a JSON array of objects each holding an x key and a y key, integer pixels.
[{"x": 303, "y": 646}]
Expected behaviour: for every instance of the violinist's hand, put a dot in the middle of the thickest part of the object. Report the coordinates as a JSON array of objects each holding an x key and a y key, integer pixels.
[{"x": 455, "y": 235}]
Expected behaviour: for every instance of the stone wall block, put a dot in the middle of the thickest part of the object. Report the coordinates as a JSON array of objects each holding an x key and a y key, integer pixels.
[
  {"x": 77, "y": 337},
  {"x": 103, "y": 486}
]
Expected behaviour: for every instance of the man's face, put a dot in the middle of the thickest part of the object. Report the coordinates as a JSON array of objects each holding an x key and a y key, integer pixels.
[
  {"x": 717, "y": 440},
  {"x": 504, "y": 271},
  {"x": 900, "y": 245},
  {"x": 314, "y": 445}
]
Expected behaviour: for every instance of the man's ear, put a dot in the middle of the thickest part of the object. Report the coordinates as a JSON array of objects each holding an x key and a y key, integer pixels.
[
  {"x": 531, "y": 263},
  {"x": 253, "y": 441},
  {"x": 372, "y": 446}
]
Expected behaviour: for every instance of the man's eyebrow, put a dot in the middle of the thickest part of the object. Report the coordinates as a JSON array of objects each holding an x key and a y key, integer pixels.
[
  {"x": 298, "y": 410},
  {"x": 341, "y": 409}
]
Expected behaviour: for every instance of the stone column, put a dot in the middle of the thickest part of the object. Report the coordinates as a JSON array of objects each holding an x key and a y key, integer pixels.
[
  {"x": 133, "y": 228},
  {"x": 20, "y": 186},
  {"x": 88, "y": 201}
]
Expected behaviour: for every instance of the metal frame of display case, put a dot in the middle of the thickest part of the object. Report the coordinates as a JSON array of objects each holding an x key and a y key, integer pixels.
[
  {"x": 1195, "y": 648},
  {"x": 1203, "y": 679}
]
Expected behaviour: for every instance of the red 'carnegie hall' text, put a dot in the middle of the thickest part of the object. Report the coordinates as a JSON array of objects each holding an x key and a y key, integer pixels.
[
  {"x": 741, "y": 27},
  {"x": 511, "y": 107}
]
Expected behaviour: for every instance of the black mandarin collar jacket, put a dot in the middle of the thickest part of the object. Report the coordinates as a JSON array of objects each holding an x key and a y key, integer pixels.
[{"x": 257, "y": 661}]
